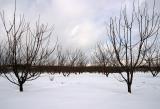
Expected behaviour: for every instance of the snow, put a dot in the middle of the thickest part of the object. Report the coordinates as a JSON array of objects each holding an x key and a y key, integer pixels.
[{"x": 84, "y": 91}]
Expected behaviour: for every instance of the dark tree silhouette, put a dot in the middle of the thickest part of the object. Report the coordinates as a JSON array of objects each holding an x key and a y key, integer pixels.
[
  {"x": 153, "y": 59},
  {"x": 129, "y": 46},
  {"x": 103, "y": 56},
  {"x": 26, "y": 47}
]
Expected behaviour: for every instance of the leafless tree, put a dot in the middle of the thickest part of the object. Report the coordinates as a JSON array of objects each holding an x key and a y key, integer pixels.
[
  {"x": 52, "y": 61},
  {"x": 61, "y": 59},
  {"x": 82, "y": 59},
  {"x": 103, "y": 56},
  {"x": 76, "y": 58},
  {"x": 153, "y": 59},
  {"x": 27, "y": 47},
  {"x": 1, "y": 59},
  {"x": 72, "y": 57},
  {"x": 129, "y": 35}
]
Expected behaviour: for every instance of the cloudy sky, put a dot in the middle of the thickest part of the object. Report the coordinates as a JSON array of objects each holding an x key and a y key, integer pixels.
[{"x": 77, "y": 23}]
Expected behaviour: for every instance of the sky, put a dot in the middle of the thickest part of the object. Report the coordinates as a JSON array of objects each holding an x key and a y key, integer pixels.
[{"x": 77, "y": 23}]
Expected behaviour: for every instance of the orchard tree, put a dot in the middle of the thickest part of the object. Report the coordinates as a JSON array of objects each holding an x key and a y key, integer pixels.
[
  {"x": 129, "y": 35},
  {"x": 27, "y": 46},
  {"x": 103, "y": 56},
  {"x": 153, "y": 59}
]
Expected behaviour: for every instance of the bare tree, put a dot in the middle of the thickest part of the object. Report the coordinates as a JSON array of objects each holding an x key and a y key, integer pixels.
[
  {"x": 153, "y": 59},
  {"x": 72, "y": 57},
  {"x": 129, "y": 36},
  {"x": 26, "y": 48},
  {"x": 76, "y": 58},
  {"x": 61, "y": 59},
  {"x": 82, "y": 59},
  {"x": 103, "y": 56},
  {"x": 2, "y": 59}
]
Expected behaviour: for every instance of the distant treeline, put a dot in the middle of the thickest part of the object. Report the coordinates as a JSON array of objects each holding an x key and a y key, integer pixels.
[{"x": 80, "y": 69}]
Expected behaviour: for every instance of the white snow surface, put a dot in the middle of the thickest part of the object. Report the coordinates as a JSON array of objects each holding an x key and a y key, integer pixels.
[{"x": 84, "y": 91}]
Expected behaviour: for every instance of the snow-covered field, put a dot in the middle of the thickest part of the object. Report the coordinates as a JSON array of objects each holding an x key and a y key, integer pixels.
[{"x": 84, "y": 91}]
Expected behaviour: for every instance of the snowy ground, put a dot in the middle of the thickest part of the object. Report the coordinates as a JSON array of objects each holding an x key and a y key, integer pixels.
[{"x": 85, "y": 91}]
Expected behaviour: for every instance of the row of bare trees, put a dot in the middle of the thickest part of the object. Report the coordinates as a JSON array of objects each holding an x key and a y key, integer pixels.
[
  {"x": 71, "y": 58},
  {"x": 132, "y": 41}
]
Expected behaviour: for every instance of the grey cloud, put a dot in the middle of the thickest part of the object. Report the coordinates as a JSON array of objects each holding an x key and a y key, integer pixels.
[{"x": 78, "y": 23}]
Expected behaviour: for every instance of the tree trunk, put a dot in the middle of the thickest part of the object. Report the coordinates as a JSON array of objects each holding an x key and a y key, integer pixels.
[
  {"x": 21, "y": 87},
  {"x": 106, "y": 74},
  {"x": 129, "y": 87}
]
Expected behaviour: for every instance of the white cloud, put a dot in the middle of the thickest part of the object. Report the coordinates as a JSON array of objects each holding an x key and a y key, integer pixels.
[
  {"x": 84, "y": 34},
  {"x": 78, "y": 23}
]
